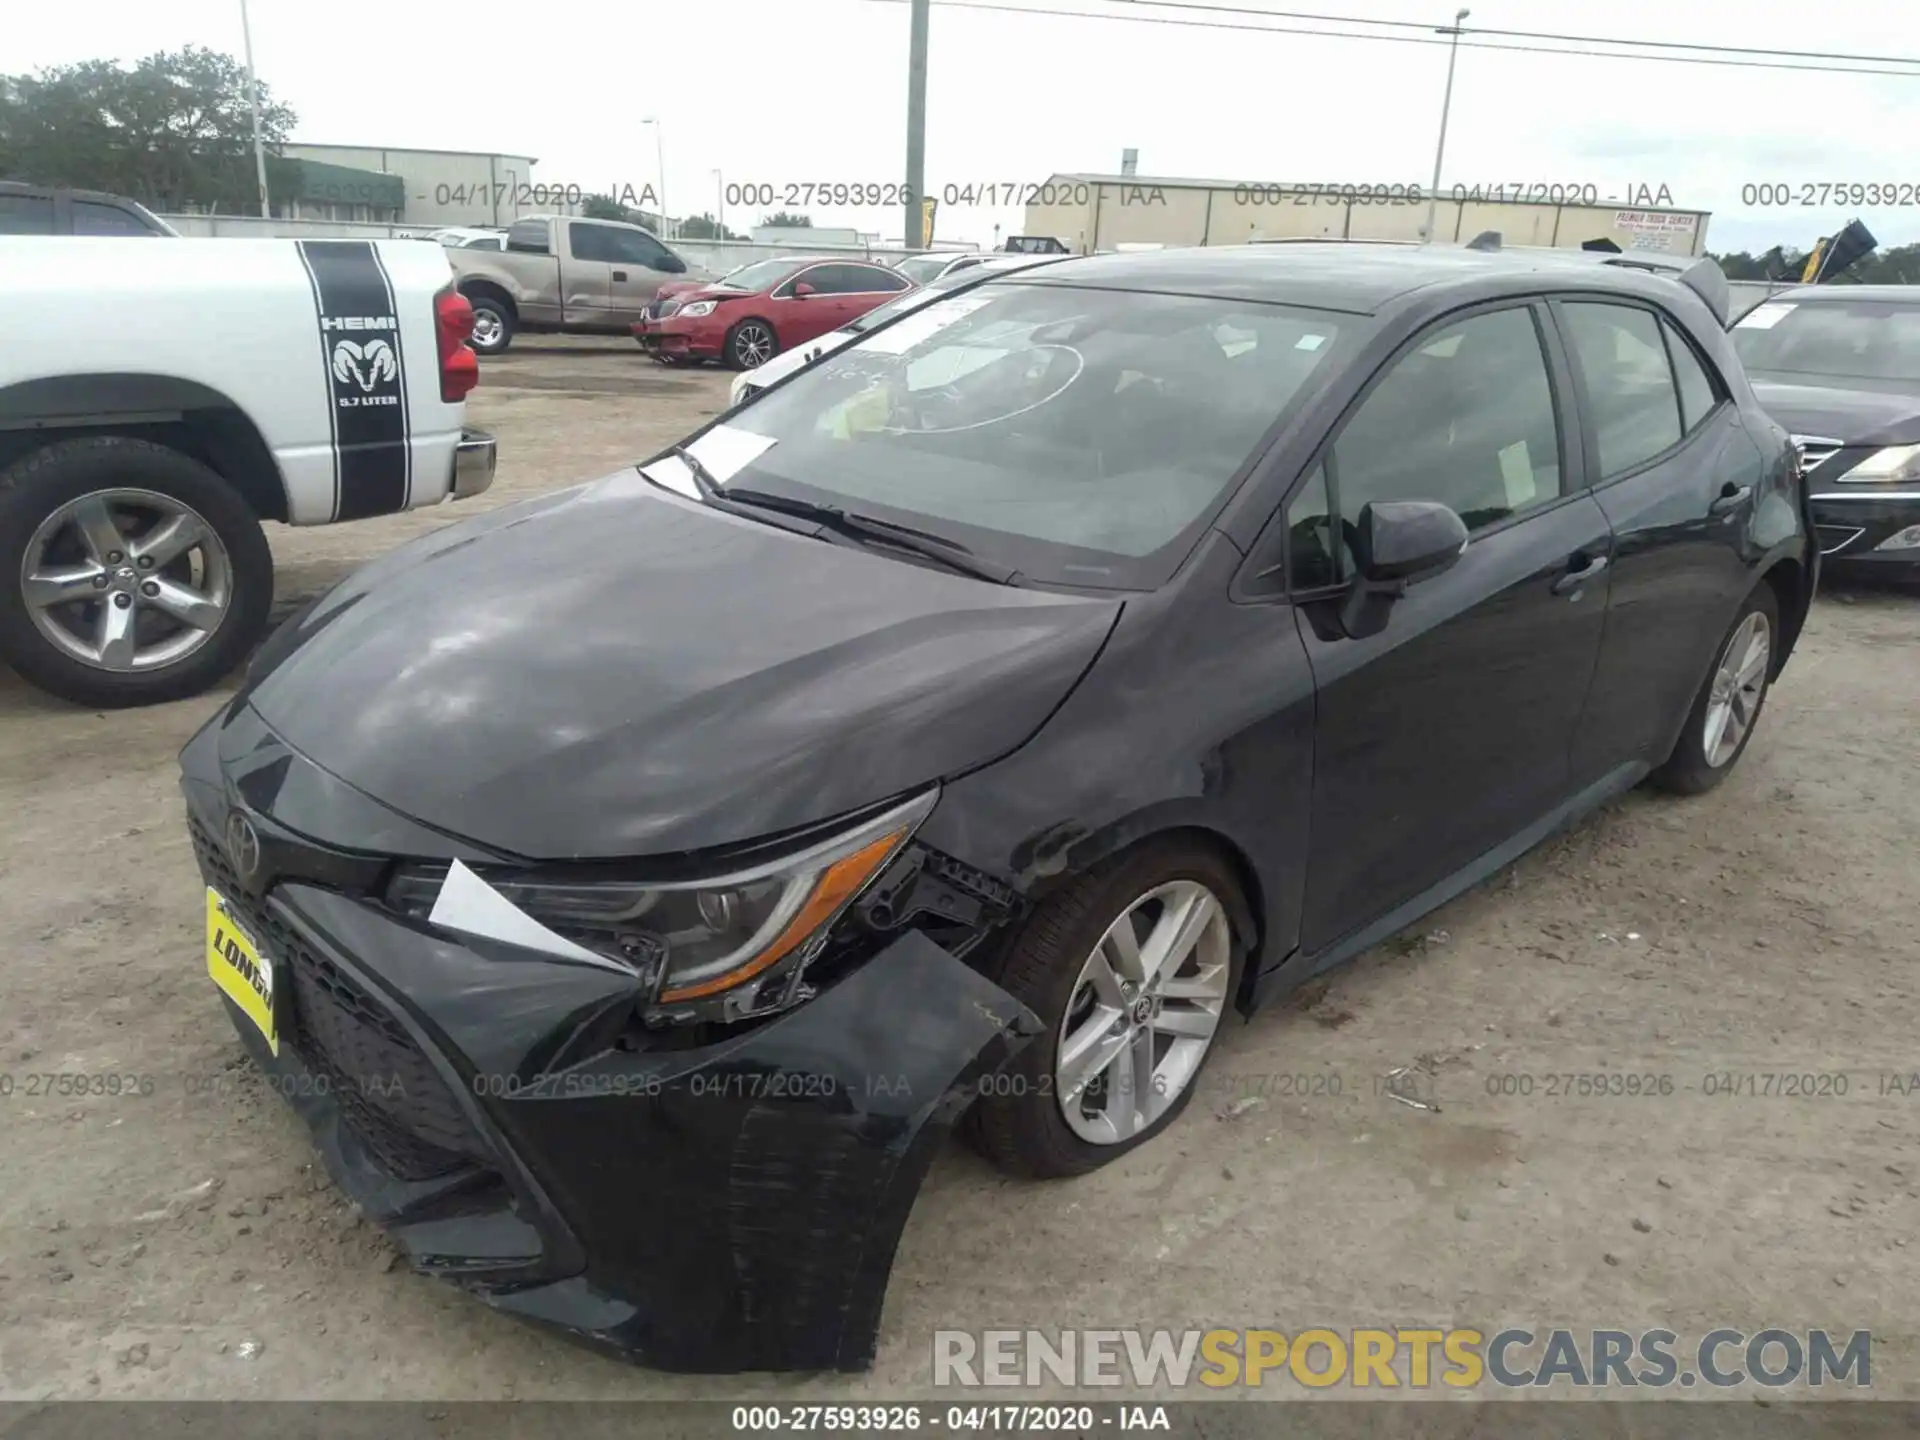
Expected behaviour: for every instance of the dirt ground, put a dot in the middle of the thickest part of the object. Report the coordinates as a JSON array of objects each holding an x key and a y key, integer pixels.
[{"x": 180, "y": 1241}]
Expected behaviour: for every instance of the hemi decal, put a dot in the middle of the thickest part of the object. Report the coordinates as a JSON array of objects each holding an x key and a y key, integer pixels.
[{"x": 366, "y": 377}]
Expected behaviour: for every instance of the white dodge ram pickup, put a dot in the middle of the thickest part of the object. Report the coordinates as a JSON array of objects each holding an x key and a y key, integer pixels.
[{"x": 158, "y": 401}]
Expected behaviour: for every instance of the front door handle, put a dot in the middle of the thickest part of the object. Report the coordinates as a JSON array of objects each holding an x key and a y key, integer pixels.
[
  {"x": 1731, "y": 497},
  {"x": 1580, "y": 570},
  {"x": 619, "y": 274}
]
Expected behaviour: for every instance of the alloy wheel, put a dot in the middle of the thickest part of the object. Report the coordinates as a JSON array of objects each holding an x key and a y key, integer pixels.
[
  {"x": 753, "y": 345},
  {"x": 1738, "y": 685},
  {"x": 126, "y": 580},
  {"x": 1143, "y": 1012}
]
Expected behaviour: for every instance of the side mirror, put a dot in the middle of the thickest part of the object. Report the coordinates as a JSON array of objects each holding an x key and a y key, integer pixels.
[
  {"x": 802, "y": 289},
  {"x": 1397, "y": 543}
]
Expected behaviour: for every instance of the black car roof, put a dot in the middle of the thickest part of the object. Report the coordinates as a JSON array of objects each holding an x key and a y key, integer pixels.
[{"x": 1334, "y": 275}]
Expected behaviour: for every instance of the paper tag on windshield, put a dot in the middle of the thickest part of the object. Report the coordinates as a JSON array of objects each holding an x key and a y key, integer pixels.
[
  {"x": 725, "y": 450},
  {"x": 1764, "y": 317},
  {"x": 903, "y": 335}
]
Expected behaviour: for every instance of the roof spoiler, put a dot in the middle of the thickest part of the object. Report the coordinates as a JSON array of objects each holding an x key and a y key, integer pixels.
[{"x": 1704, "y": 277}]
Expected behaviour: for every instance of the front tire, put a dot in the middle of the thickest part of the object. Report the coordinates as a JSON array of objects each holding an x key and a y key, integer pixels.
[
  {"x": 1727, "y": 708},
  {"x": 1131, "y": 969},
  {"x": 130, "y": 573},
  {"x": 750, "y": 344},
  {"x": 493, "y": 324}
]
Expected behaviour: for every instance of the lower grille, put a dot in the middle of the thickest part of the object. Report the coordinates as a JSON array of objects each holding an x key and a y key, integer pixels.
[{"x": 387, "y": 1089}]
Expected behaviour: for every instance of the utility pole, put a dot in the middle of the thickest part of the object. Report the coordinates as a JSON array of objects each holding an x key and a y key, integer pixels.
[
  {"x": 1446, "y": 104},
  {"x": 916, "y": 124},
  {"x": 253, "y": 101}
]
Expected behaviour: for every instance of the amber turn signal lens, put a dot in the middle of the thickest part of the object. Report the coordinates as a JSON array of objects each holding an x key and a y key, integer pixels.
[{"x": 837, "y": 884}]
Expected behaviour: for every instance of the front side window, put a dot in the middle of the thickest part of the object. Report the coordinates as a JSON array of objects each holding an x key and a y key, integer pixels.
[
  {"x": 760, "y": 275},
  {"x": 90, "y": 217},
  {"x": 1629, "y": 385},
  {"x": 1465, "y": 418},
  {"x": 1079, "y": 436}
]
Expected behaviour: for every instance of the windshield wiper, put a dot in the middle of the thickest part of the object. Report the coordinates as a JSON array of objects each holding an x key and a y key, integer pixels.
[
  {"x": 703, "y": 480},
  {"x": 950, "y": 553}
]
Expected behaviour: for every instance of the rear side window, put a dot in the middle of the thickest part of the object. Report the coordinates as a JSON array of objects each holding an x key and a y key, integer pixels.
[
  {"x": 852, "y": 279},
  {"x": 529, "y": 236},
  {"x": 26, "y": 215},
  {"x": 92, "y": 218},
  {"x": 1634, "y": 404},
  {"x": 1698, "y": 393}
]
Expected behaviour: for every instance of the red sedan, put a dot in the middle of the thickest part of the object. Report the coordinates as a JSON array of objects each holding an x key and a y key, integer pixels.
[{"x": 761, "y": 309}]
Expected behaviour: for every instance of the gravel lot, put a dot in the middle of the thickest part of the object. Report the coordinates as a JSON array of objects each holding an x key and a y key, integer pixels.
[{"x": 182, "y": 1243}]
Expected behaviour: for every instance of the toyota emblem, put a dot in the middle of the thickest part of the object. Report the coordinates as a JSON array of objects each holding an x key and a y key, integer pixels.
[{"x": 243, "y": 845}]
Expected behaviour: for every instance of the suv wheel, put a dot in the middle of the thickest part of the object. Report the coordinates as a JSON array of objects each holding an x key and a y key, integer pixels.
[{"x": 129, "y": 572}]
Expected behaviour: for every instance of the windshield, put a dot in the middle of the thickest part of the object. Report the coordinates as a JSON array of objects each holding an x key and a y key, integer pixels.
[
  {"x": 1077, "y": 436},
  {"x": 1850, "y": 339},
  {"x": 759, "y": 275},
  {"x": 922, "y": 268}
]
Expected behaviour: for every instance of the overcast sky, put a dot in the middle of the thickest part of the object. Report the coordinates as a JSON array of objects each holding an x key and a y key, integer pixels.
[{"x": 780, "y": 91}]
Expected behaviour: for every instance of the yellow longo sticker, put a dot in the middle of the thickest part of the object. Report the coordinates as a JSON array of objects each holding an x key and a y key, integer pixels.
[{"x": 243, "y": 973}]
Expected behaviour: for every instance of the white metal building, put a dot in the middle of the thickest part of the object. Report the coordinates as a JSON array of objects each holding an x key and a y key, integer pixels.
[{"x": 1106, "y": 212}]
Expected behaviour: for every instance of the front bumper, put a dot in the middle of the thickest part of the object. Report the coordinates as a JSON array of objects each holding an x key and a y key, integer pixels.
[
  {"x": 675, "y": 337},
  {"x": 1851, "y": 525},
  {"x": 730, "y": 1205},
  {"x": 474, "y": 460}
]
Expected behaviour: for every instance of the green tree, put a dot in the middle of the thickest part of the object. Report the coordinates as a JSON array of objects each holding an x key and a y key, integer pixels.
[
  {"x": 704, "y": 227},
  {"x": 173, "y": 130},
  {"x": 787, "y": 219},
  {"x": 602, "y": 207}
]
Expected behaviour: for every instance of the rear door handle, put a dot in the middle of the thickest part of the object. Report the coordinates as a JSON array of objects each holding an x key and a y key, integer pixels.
[
  {"x": 1731, "y": 497},
  {"x": 619, "y": 274},
  {"x": 1580, "y": 570}
]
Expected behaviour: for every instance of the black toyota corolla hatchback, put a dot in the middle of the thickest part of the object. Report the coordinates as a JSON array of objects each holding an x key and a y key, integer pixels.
[{"x": 633, "y": 886}]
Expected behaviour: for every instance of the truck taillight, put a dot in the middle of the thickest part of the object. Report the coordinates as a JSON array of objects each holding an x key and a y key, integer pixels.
[{"x": 453, "y": 325}]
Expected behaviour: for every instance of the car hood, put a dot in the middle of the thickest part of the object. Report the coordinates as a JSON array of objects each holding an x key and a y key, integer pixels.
[
  {"x": 614, "y": 670},
  {"x": 1853, "y": 417}
]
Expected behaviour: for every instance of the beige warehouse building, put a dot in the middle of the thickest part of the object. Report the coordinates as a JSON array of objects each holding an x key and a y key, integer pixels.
[{"x": 1109, "y": 212}]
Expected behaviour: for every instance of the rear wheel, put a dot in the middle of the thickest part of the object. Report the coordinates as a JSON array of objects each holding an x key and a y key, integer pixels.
[
  {"x": 493, "y": 324},
  {"x": 132, "y": 573},
  {"x": 1727, "y": 708},
  {"x": 750, "y": 344},
  {"x": 1131, "y": 970}
]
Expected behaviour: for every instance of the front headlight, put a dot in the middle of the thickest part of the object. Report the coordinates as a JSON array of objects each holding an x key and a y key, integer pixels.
[
  {"x": 1895, "y": 463},
  {"x": 693, "y": 940},
  {"x": 699, "y": 308}
]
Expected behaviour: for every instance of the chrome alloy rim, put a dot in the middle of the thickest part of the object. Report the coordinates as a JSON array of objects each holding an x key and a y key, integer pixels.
[
  {"x": 126, "y": 580},
  {"x": 1143, "y": 1012},
  {"x": 486, "y": 327},
  {"x": 1738, "y": 684},
  {"x": 753, "y": 346}
]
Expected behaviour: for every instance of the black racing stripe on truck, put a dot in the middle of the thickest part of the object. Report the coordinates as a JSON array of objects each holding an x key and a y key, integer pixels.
[{"x": 366, "y": 377}]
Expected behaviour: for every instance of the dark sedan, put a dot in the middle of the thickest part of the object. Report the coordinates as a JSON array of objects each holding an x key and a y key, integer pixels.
[
  {"x": 633, "y": 886},
  {"x": 1839, "y": 366}
]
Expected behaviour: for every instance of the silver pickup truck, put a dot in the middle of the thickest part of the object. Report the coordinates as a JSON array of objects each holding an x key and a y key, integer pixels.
[{"x": 559, "y": 273}]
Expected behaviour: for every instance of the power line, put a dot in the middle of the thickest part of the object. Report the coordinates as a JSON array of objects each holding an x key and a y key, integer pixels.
[
  {"x": 1400, "y": 39},
  {"x": 1516, "y": 34}
]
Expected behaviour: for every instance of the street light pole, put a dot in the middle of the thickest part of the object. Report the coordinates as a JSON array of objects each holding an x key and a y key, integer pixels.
[
  {"x": 660, "y": 160},
  {"x": 913, "y": 226},
  {"x": 253, "y": 102},
  {"x": 719, "y": 207},
  {"x": 1446, "y": 104}
]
